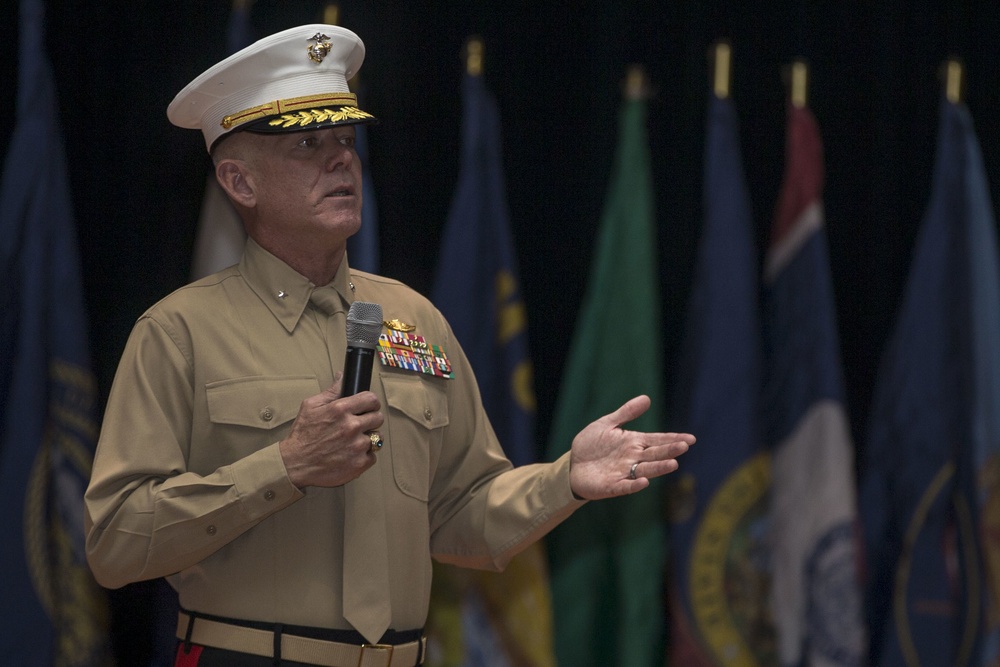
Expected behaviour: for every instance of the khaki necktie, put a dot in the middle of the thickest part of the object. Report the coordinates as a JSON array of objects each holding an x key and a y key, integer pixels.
[{"x": 366, "y": 547}]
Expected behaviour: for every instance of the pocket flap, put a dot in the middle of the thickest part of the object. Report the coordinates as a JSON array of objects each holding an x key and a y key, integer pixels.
[
  {"x": 417, "y": 398},
  {"x": 260, "y": 402}
]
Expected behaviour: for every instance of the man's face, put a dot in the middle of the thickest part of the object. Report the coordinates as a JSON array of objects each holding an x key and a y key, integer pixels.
[{"x": 309, "y": 184}]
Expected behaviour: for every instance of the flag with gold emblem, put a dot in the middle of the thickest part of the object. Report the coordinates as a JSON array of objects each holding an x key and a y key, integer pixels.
[
  {"x": 484, "y": 618},
  {"x": 53, "y": 611},
  {"x": 930, "y": 492},
  {"x": 720, "y": 576}
]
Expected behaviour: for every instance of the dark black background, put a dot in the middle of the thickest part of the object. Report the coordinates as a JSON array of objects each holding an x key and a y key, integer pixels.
[{"x": 556, "y": 68}]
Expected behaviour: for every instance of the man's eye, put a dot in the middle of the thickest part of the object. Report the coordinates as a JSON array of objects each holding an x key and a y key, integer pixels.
[
  {"x": 307, "y": 142},
  {"x": 347, "y": 141}
]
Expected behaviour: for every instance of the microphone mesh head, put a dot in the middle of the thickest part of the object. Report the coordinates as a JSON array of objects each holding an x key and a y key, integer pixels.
[{"x": 364, "y": 324}]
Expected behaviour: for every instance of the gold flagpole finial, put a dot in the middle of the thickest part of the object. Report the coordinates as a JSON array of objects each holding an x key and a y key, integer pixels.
[
  {"x": 721, "y": 69},
  {"x": 241, "y": 5},
  {"x": 474, "y": 55},
  {"x": 331, "y": 15},
  {"x": 636, "y": 83},
  {"x": 798, "y": 83},
  {"x": 953, "y": 80}
]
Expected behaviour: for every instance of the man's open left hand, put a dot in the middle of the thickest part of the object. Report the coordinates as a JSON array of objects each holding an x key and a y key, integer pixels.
[{"x": 607, "y": 460}]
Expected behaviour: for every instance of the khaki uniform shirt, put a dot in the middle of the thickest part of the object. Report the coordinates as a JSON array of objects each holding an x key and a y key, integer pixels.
[{"x": 188, "y": 481}]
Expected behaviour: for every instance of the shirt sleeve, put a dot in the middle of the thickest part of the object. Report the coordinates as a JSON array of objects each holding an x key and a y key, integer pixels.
[
  {"x": 146, "y": 515},
  {"x": 483, "y": 511}
]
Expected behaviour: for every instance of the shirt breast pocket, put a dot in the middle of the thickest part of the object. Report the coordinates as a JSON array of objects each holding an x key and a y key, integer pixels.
[
  {"x": 417, "y": 415},
  {"x": 248, "y": 413}
]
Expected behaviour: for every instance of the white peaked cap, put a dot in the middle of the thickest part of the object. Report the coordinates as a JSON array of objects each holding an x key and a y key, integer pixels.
[{"x": 293, "y": 80}]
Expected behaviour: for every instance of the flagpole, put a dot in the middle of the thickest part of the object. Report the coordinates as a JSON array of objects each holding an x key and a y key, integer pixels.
[
  {"x": 798, "y": 83},
  {"x": 473, "y": 56},
  {"x": 721, "y": 64},
  {"x": 953, "y": 80},
  {"x": 636, "y": 83},
  {"x": 331, "y": 15}
]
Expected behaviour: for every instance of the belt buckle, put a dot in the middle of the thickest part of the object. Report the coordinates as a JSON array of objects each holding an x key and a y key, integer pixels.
[{"x": 381, "y": 650}]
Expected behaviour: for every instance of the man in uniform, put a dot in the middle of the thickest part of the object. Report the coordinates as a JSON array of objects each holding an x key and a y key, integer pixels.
[{"x": 297, "y": 524}]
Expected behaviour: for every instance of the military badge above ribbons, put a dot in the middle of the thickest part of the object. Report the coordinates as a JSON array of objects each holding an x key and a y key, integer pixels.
[{"x": 401, "y": 349}]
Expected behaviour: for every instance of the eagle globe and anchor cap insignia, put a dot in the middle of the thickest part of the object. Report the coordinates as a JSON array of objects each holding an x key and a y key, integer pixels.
[{"x": 320, "y": 49}]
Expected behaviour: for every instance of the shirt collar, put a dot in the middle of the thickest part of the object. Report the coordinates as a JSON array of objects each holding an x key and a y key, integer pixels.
[{"x": 282, "y": 289}]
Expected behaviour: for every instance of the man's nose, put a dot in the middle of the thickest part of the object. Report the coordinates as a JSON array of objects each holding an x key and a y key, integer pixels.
[{"x": 339, "y": 155}]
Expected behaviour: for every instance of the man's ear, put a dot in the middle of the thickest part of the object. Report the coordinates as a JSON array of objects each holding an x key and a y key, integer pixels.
[{"x": 236, "y": 180}]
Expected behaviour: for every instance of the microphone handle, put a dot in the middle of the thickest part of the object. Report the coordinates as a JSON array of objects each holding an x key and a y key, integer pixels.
[{"x": 357, "y": 370}]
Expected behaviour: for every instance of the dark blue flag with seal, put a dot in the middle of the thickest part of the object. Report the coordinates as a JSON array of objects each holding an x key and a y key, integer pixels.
[
  {"x": 718, "y": 498},
  {"x": 930, "y": 502},
  {"x": 53, "y": 611}
]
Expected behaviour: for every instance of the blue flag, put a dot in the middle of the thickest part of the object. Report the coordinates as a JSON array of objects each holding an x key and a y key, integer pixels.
[
  {"x": 485, "y": 619},
  {"x": 477, "y": 285},
  {"x": 53, "y": 612},
  {"x": 814, "y": 540},
  {"x": 930, "y": 490},
  {"x": 239, "y": 28},
  {"x": 718, "y": 499}
]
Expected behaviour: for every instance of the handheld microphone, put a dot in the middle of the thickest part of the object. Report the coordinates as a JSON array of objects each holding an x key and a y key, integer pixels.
[{"x": 364, "y": 324}]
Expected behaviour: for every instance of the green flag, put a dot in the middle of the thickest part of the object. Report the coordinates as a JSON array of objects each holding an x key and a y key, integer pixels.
[{"x": 606, "y": 560}]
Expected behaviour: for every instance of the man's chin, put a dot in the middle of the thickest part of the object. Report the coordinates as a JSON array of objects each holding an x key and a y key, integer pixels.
[{"x": 346, "y": 227}]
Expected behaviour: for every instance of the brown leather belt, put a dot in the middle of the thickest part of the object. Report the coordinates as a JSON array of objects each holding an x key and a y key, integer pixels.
[{"x": 241, "y": 639}]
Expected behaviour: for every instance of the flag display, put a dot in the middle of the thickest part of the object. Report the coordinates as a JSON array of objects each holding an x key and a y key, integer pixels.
[
  {"x": 930, "y": 486},
  {"x": 719, "y": 498},
  {"x": 482, "y": 618},
  {"x": 816, "y": 585},
  {"x": 607, "y": 558},
  {"x": 53, "y": 612}
]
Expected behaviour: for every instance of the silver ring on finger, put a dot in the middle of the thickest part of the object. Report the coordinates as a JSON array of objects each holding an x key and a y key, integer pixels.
[{"x": 631, "y": 472}]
